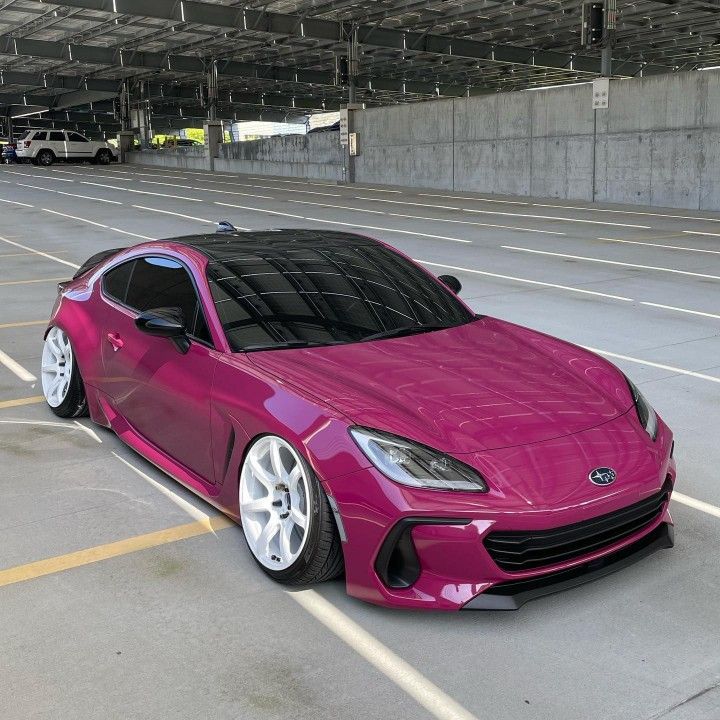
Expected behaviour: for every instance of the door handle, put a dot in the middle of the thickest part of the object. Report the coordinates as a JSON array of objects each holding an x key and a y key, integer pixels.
[{"x": 115, "y": 340}]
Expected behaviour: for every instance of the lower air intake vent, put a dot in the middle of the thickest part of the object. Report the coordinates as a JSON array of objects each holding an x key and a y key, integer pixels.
[{"x": 524, "y": 550}]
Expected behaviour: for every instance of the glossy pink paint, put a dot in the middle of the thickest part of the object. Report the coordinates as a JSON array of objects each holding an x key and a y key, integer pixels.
[{"x": 533, "y": 414}]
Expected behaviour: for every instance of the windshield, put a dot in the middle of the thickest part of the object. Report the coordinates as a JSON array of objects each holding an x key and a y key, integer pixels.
[{"x": 327, "y": 295}]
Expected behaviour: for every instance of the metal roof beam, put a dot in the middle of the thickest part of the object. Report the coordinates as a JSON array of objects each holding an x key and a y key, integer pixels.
[
  {"x": 185, "y": 64},
  {"x": 244, "y": 19},
  {"x": 56, "y": 82}
]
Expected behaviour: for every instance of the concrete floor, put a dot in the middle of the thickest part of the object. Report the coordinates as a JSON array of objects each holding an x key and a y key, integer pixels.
[{"x": 192, "y": 629}]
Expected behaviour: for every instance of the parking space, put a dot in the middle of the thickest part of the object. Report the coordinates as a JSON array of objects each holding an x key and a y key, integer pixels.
[{"x": 125, "y": 596}]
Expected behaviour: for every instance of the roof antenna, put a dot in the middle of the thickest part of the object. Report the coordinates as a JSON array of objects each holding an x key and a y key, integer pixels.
[{"x": 225, "y": 226}]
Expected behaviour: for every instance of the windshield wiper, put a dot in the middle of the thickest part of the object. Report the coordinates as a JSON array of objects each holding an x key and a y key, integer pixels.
[
  {"x": 406, "y": 330},
  {"x": 286, "y": 344},
  {"x": 277, "y": 345}
]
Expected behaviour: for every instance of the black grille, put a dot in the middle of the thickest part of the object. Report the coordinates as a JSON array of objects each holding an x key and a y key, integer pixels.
[{"x": 524, "y": 550}]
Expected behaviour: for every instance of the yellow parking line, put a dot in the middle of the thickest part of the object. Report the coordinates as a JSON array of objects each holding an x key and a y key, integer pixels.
[
  {"x": 21, "y": 401},
  {"x": 33, "y": 570},
  {"x": 39, "y": 280},
  {"x": 27, "y": 323}
]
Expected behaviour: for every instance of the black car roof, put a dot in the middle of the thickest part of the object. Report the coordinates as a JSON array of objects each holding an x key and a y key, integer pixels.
[{"x": 227, "y": 245}]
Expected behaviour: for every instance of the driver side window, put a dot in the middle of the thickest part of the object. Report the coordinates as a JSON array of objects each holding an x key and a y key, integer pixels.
[{"x": 155, "y": 282}]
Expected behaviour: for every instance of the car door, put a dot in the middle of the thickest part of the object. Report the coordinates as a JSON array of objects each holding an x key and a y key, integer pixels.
[
  {"x": 78, "y": 147},
  {"x": 57, "y": 143},
  {"x": 162, "y": 393}
]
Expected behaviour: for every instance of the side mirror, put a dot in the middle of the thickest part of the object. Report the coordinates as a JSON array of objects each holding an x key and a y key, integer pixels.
[
  {"x": 452, "y": 282},
  {"x": 165, "y": 322}
]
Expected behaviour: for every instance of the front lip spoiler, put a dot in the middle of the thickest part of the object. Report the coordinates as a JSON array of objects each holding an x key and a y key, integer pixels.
[{"x": 513, "y": 594}]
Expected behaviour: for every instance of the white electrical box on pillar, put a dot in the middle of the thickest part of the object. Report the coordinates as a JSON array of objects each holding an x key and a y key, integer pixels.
[{"x": 213, "y": 139}]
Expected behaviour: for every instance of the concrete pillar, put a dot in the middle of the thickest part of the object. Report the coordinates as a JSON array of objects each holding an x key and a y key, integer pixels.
[
  {"x": 212, "y": 85},
  {"x": 126, "y": 139},
  {"x": 352, "y": 67},
  {"x": 608, "y": 37}
]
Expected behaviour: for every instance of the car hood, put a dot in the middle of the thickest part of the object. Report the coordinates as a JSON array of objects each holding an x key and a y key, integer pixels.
[{"x": 485, "y": 385}]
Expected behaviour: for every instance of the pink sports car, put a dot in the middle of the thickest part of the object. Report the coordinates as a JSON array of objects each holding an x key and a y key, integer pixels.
[{"x": 354, "y": 415}]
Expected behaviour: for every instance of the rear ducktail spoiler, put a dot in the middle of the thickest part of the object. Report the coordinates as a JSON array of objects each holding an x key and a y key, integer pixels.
[{"x": 94, "y": 261}]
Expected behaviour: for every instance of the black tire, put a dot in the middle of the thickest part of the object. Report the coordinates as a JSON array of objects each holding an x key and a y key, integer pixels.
[
  {"x": 322, "y": 556},
  {"x": 75, "y": 402},
  {"x": 103, "y": 157},
  {"x": 45, "y": 158}
]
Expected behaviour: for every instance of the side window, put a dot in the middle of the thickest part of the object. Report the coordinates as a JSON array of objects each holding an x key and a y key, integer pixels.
[
  {"x": 159, "y": 282},
  {"x": 76, "y": 137},
  {"x": 57, "y": 136},
  {"x": 115, "y": 282},
  {"x": 40, "y": 136}
]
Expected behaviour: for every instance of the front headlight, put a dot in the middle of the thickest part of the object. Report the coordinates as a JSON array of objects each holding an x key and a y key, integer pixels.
[
  {"x": 645, "y": 412},
  {"x": 410, "y": 463}
]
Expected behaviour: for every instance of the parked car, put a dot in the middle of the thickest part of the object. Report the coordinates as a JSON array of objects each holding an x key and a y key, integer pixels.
[
  {"x": 44, "y": 147},
  {"x": 350, "y": 411},
  {"x": 181, "y": 142},
  {"x": 9, "y": 153}
]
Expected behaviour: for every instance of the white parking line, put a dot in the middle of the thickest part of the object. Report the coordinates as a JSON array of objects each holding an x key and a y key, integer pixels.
[
  {"x": 433, "y": 219},
  {"x": 438, "y": 703},
  {"x": 141, "y": 192},
  {"x": 669, "y": 368},
  {"x": 61, "y": 192},
  {"x": 211, "y": 190},
  {"x": 87, "y": 174},
  {"x": 132, "y": 234},
  {"x": 181, "y": 502},
  {"x": 260, "y": 210},
  {"x": 39, "y": 252},
  {"x": 35, "y": 175},
  {"x": 140, "y": 174},
  {"x": 507, "y": 214},
  {"x": 697, "y": 232},
  {"x": 169, "y": 212},
  {"x": 166, "y": 184},
  {"x": 16, "y": 368},
  {"x": 97, "y": 224},
  {"x": 524, "y": 280},
  {"x": 75, "y": 217},
  {"x": 344, "y": 224},
  {"x": 238, "y": 183},
  {"x": 15, "y": 202},
  {"x": 627, "y": 212},
  {"x": 611, "y": 262},
  {"x": 682, "y": 310},
  {"x": 391, "y": 230},
  {"x": 60, "y": 425},
  {"x": 700, "y": 505},
  {"x": 455, "y": 197},
  {"x": 668, "y": 247}
]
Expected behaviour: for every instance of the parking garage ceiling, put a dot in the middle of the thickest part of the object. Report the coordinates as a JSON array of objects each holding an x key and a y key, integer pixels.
[{"x": 279, "y": 59}]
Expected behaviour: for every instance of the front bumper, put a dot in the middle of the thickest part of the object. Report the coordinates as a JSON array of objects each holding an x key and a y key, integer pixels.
[
  {"x": 512, "y": 594},
  {"x": 419, "y": 549}
]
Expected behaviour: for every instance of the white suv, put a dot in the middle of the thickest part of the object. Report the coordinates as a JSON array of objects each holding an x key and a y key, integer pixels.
[{"x": 44, "y": 147}]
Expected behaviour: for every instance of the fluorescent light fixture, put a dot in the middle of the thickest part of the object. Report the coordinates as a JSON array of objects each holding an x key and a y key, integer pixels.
[
  {"x": 552, "y": 87},
  {"x": 28, "y": 114}
]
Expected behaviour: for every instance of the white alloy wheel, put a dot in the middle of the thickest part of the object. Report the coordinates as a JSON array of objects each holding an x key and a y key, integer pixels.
[
  {"x": 57, "y": 367},
  {"x": 274, "y": 502}
]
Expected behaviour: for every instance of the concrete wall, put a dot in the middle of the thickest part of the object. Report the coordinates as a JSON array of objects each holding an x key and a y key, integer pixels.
[
  {"x": 191, "y": 158},
  {"x": 657, "y": 144},
  {"x": 317, "y": 156}
]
